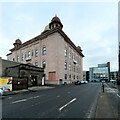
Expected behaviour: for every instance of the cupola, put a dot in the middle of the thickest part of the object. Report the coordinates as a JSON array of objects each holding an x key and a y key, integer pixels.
[
  {"x": 55, "y": 22},
  {"x": 17, "y": 43}
]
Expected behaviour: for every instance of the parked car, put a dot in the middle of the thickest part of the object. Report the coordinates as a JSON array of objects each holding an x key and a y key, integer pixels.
[
  {"x": 77, "y": 82},
  {"x": 1, "y": 91},
  {"x": 83, "y": 82},
  {"x": 103, "y": 81}
]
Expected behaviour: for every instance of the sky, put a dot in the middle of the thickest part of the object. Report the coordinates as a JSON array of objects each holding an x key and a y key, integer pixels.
[{"x": 91, "y": 25}]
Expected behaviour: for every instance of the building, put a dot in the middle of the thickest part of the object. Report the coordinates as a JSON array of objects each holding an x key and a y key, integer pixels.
[
  {"x": 118, "y": 81},
  {"x": 102, "y": 72},
  {"x": 32, "y": 73},
  {"x": 19, "y": 71},
  {"x": 86, "y": 75},
  {"x": 53, "y": 50},
  {"x": 114, "y": 75}
]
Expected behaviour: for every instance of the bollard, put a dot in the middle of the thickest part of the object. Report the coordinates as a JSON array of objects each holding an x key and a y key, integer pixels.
[{"x": 103, "y": 88}]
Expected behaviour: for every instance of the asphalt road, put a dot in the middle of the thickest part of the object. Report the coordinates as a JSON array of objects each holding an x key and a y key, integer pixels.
[{"x": 70, "y": 101}]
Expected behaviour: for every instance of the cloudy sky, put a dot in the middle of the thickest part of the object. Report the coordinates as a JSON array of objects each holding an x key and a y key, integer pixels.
[{"x": 92, "y": 25}]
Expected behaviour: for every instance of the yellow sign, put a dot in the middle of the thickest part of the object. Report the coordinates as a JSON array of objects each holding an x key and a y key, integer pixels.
[{"x": 6, "y": 83}]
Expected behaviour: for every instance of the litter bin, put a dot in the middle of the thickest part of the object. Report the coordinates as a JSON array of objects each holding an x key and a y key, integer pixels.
[{"x": 60, "y": 81}]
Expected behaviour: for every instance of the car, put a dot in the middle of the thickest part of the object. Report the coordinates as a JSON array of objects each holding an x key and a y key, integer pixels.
[
  {"x": 1, "y": 91},
  {"x": 77, "y": 82},
  {"x": 84, "y": 82},
  {"x": 103, "y": 81}
]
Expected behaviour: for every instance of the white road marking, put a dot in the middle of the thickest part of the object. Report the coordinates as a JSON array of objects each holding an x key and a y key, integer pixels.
[
  {"x": 36, "y": 96},
  {"x": 118, "y": 95},
  {"x": 67, "y": 104},
  {"x": 58, "y": 96},
  {"x": 68, "y": 92},
  {"x": 18, "y": 101},
  {"x": 10, "y": 98}
]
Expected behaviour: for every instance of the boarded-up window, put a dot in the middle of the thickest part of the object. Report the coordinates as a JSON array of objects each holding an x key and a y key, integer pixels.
[{"x": 52, "y": 75}]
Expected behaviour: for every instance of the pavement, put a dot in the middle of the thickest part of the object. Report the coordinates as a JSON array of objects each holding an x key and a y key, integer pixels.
[
  {"x": 105, "y": 105},
  {"x": 30, "y": 89},
  {"x": 104, "y": 108}
]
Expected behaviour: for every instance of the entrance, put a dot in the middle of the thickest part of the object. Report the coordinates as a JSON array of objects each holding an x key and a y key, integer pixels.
[{"x": 34, "y": 80}]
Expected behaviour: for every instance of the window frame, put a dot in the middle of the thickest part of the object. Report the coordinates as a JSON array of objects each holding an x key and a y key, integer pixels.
[
  {"x": 29, "y": 54},
  {"x": 36, "y": 53},
  {"x": 43, "y": 64},
  {"x": 37, "y": 64},
  {"x": 65, "y": 65},
  {"x": 44, "y": 50}
]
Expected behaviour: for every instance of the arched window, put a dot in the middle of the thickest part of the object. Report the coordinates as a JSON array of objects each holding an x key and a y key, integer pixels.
[{"x": 44, "y": 64}]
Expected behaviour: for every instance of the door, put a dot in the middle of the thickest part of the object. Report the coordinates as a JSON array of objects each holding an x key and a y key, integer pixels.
[
  {"x": 52, "y": 75},
  {"x": 34, "y": 80}
]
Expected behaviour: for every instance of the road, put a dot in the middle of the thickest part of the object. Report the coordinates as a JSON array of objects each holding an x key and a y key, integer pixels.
[{"x": 70, "y": 101}]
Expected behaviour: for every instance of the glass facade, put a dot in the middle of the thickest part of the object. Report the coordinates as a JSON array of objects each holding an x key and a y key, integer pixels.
[{"x": 102, "y": 72}]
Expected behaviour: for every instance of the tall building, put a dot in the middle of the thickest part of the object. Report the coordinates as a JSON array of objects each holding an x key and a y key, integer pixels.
[
  {"x": 54, "y": 51},
  {"x": 86, "y": 76},
  {"x": 102, "y": 72},
  {"x": 114, "y": 75},
  {"x": 118, "y": 82}
]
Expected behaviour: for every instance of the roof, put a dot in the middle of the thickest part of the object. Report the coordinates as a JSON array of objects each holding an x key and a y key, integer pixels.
[
  {"x": 46, "y": 34},
  {"x": 55, "y": 19},
  {"x": 21, "y": 65}
]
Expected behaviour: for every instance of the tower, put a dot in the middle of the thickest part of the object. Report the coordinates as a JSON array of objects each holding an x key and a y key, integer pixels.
[{"x": 55, "y": 23}]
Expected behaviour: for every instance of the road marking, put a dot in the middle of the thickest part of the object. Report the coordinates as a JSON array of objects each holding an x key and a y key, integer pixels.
[
  {"x": 118, "y": 95},
  {"x": 9, "y": 97},
  {"x": 58, "y": 96},
  {"x": 67, "y": 104},
  {"x": 68, "y": 92},
  {"x": 36, "y": 96},
  {"x": 18, "y": 101}
]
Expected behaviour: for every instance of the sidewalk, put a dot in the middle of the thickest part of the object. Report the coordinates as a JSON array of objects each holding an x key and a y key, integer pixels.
[
  {"x": 30, "y": 89},
  {"x": 104, "y": 107}
]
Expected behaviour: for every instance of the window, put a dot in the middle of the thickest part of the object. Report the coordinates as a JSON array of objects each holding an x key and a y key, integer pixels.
[
  {"x": 69, "y": 55},
  {"x": 65, "y": 65},
  {"x": 28, "y": 53},
  {"x": 36, "y": 64},
  {"x": 69, "y": 76},
  {"x": 73, "y": 57},
  {"x": 22, "y": 57},
  {"x": 70, "y": 67},
  {"x": 65, "y": 76},
  {"x": 36, "y": 53},
  {"x": 74, "y": 77},
  {"x": 44, "y": 50},
  {"x": 44, "y": 64},
  {"x": 32, "y": 53},
  {"x": 17, "y": 58},
  {"x": 65, "y": 53}
]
